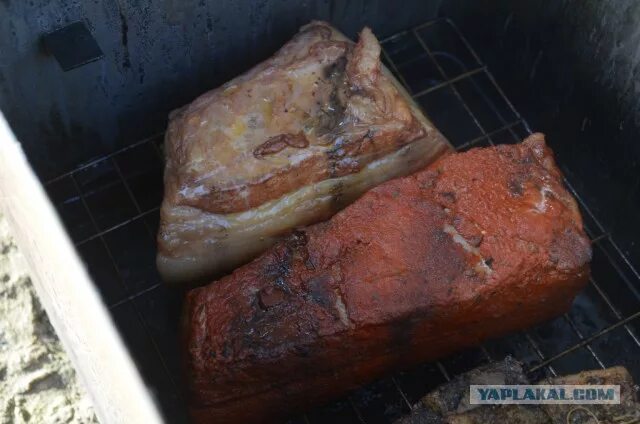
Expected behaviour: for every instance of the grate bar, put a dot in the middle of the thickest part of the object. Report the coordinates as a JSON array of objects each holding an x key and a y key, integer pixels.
[
  {"x": 97, "y": 228},
  {"x": 622, "y": 275},
  {"x": 450, "y": 81},
  {"x": 395, "y": 70},
  {"x": 139, "y": 293},
  {"x": 404, "y": 396},
  {"x": 587, "y": 341},
  {"x": 489, "y": 74},
  {"x": 539, "y": 353},
  {"x": 581, "y": 336},
  {"x": 356, "y": 411},
  {"x": 492, "y": 133},
  {"x": 443, "y": 370},
  {"x": 619, "y": 271},
  {"x": 599, "y": 238},
  {"x": 613, "y": 309},
  {"x": 103, "y": 158},
  {"x": 428, "y": 24},
  {"x": 406, "y": 63},
  {"x": 453, "y": 87},
  {"x": 120, "y": 278},
  {"x": 586, "y": 208},
  {"x": 88, "y": 193},
  {"x": 99, "y": 234},
  {"x": 485, "y": 352},
  {"x": 625, "y": 259},
  {"x": 127, "y": 187},
  {"x": 133, "y": 296},
  {"x": 393, "y": 37}
]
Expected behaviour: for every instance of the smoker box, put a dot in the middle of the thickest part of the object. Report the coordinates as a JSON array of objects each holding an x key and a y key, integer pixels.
[{"x": 86, "y": 88}]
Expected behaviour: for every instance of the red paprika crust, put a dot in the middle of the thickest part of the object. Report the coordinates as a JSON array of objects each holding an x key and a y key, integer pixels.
[{"x": 477, "y": 245}]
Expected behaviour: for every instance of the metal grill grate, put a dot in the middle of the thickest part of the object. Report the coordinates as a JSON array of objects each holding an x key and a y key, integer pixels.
[{"x": 110, "y": 207}]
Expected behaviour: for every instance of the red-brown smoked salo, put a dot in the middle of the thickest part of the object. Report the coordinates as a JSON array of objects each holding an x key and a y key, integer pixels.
[{"x": 478, "y": 244}]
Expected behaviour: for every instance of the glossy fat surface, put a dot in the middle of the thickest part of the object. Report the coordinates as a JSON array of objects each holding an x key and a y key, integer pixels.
[
  {"x": 479, "y": 244},
  {"x": 287, "y": 144},
  {"x": 320, "y": 108}
]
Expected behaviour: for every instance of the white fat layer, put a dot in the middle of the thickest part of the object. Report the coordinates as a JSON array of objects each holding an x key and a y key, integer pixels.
[
  {"x": 342, "y": 309},
  {"x": 189, "y": 192},
  {"x": 481, "y": 266},
  {"x": 541, "y": 205}
]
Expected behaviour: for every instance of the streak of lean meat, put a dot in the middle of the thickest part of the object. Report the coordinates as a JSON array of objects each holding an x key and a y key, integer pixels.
[{"x": 37, "y": 382}]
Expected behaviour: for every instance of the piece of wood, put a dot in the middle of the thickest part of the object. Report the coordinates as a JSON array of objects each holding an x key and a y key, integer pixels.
[{"x": 68, "y": 295}]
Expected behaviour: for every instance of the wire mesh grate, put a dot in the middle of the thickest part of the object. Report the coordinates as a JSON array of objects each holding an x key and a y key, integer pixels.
[{"x": 111, "y": 209}]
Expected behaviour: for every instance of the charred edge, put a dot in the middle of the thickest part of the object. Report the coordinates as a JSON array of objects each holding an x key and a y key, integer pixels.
[
  {"x": 489, "y": 262},
  {"x": 515, "y": 188},
  {"x": 336, "y": 70},
  {"x": 331, "y": 114},
  {"x": 270, "y": 297},
  {"x": 448, "y": 196},
  {"x": 515, "y": 185},
  {"x": 279, "y": 269},
  {"x": 319, "y": 290}
]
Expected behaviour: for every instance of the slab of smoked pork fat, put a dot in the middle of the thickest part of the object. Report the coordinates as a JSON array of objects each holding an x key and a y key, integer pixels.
[
  {"x": 287, "y": 144},
  {"x": 476, "y": 245}
]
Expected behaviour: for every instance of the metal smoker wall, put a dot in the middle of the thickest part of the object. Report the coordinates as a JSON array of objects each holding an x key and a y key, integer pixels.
[{"x": 159, "y": 55}]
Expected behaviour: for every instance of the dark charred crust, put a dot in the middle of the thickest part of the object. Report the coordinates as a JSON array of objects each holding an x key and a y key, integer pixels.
[
  {"x": 527, "y": 158},
  {"x": 270, "y": 296},
  {"x": 335, "y": 71},
  {"x": 515, "y": 187},
  {"x": 320, "y": 291},
  {"x": 280, "y": 267},
  {"x": 297, "y": 239},
  {"x": 278, "y": 143},
  {"x": 282, "y": 284},
  {"x": 332, "y": 113},
  {"x": 448, "y": 196}
]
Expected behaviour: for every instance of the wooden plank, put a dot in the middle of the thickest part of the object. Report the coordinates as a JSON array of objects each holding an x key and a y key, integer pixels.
[{"x": 68, "y": 295}]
